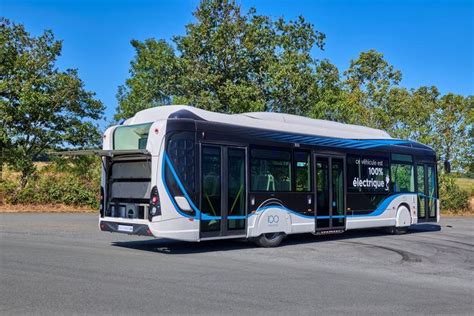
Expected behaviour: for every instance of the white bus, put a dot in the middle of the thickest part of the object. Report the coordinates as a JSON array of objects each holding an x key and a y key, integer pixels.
[{"x": 184, "y": 173}]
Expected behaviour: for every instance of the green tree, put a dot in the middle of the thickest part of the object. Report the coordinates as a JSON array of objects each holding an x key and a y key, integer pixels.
[
  {"x": 227, "y": 62},
  {"x": 453, "y": 125},
  {"x": 232, "y": 62},
  {"x": 330, "y": 101},
  {"x": 442, "y": 122},
  {"x": 41, "y": 107},
  {"x": 369, "y": 81},
  {"x": 154, "y": 78},
  {"x": 470, "y": 162},
  {"x": 411, "y": 113}
]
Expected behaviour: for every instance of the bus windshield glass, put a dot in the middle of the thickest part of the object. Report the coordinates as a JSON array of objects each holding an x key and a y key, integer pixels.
[{"x": 131, "y": 136}]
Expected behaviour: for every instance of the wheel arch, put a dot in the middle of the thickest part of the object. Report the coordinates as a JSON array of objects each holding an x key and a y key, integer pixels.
[{"x": 401, "y": 220}]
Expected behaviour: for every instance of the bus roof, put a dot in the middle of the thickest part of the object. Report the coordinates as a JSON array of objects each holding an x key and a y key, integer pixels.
[{"x": 263, "y": 120}]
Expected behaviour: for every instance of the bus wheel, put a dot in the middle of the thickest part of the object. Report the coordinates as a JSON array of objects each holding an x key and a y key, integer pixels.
[
  {"x": 396, "y": 230},
  {"x": 269, "y": 239}
]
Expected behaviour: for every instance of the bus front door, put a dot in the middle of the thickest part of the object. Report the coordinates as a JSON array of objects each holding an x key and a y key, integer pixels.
[
  {"x": 330, "y": 193},
  {"x": 427, "y": 192},
  {"x": 223, "y": 191}
]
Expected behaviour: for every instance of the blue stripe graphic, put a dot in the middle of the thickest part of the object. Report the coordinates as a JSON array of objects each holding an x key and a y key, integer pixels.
[
  {"x": 328, "y": 141},
  {"x": 165, "y": 158},
  {"x": 199, "y": 215},
  {"x": 180, "y": 184},
  {"x": 382, "y": 206}
]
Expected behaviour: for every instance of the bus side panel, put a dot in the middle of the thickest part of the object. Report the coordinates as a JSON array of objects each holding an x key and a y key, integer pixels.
[
  {"x": 384, "y": 217},
  {"x": 171, "y": 224},
  {"x": 302, "y": 224},
  {"x": 271, "y": 220},
  {"x": 177, "y": 228}
]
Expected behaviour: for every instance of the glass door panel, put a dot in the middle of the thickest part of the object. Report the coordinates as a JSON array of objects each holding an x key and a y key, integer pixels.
[
  {"x": 420, "y": 182},
  {"x": 236, "y": 189},
  {"x": 211, "y": 189},
  {"x": 223, "y": 191},
  {"x": 338, "y": 218},
  {"x": 322, "y": 192},
  {"x": 432, "y": 194},
  {"x": 427, "y": 191},
  {"x": 330, "y": 192}
]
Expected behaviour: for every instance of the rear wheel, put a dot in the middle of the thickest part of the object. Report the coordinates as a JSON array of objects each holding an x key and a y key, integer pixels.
[
  {"x": 396, "y": 230},
  {"x": 269, "y": 239}
]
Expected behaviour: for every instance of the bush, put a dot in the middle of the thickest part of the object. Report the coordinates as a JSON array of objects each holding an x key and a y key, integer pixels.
[
  {"x": 451, "y": 196},
  {"x": 7, "y": 188},
  {"x": 69, "y": 183}
]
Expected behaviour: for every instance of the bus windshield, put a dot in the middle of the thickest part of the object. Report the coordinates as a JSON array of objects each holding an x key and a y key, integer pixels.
[{"x": 131, "y": 136}]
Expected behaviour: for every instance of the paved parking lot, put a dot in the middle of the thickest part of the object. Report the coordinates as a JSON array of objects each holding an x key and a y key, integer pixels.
[{"x": 62, "y": 264}]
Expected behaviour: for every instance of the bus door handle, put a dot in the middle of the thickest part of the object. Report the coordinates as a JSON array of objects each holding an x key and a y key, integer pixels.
[{"x": 310, "y": 200}]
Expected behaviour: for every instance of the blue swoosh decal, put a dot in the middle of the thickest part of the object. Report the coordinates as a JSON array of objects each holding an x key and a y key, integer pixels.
[
  {"x": 199, "y": 215},
  {"x": 173, "y": 172},
  {"x": 330, "y": 141},
  {"x": 382, "y": 206}
]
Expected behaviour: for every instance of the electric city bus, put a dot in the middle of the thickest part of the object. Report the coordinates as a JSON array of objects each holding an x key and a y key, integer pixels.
[{"x": 183, "y": 173}]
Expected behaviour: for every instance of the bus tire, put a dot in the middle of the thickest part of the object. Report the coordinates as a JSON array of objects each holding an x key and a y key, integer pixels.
[
  {"x": 403, "y": 221},
  {"x": 396, "y": 230},
  {"x": 269, "y": 240}
]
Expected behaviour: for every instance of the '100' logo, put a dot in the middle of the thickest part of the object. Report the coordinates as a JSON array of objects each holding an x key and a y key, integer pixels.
[{"x": 273, "y": 219}]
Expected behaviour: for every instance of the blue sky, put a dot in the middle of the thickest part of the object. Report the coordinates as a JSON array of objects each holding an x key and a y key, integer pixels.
[{"x": 431, "y": 42}]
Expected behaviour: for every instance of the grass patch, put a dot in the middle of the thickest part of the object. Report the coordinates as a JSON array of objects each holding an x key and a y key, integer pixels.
[
  {"x": 466, "y": 184},
  {"x": 59, "y": 186},
  {"x": 466, "y": 212}
]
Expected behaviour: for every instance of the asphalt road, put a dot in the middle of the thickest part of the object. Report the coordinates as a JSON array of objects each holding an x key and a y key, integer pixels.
[{"x": 62, "y": 264}]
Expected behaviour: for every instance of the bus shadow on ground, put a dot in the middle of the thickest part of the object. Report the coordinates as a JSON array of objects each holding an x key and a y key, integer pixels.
[{"x": 173, "y": 247}]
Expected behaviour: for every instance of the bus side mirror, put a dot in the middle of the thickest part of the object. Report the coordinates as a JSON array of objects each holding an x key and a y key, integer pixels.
[{"x": 182, "y": 203}]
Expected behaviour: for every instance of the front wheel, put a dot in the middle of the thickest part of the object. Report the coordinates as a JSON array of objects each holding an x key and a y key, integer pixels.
[{"x": 269, "y": 239}]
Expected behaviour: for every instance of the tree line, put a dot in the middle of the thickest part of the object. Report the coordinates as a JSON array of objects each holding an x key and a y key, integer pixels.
[
  {"x": 232, "y": 62},
  {"x": 227, "y": 61},
  {"x": 41, "y": 107}
]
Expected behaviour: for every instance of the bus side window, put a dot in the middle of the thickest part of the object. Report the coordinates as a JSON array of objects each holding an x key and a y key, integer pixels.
[
  {"x": 270, "y": 170},
  {"x": 302, "y": 171},
  {"x": 403, "y": 177}
]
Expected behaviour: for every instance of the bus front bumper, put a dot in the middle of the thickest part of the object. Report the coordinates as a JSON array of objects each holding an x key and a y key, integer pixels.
[{"x": 125, "y": 228}]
